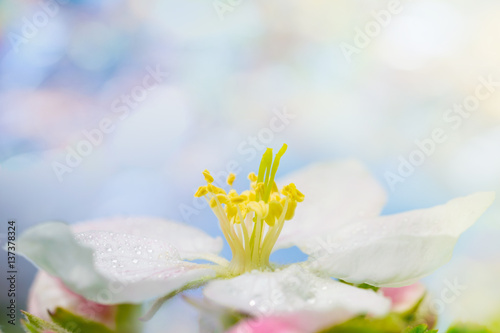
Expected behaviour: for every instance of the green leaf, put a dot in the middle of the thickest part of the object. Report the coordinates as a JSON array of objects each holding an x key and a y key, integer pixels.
[
  {"x": 77, "y": 324},
  {"x": 38, "y": 325}
]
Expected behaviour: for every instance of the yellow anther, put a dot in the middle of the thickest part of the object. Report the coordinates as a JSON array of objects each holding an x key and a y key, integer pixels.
[
  {"x": 250, "y": 194},
  {"x": 202, "y": 190},
  {"x": 221, "y": 199},
  {"x": 259, "y": 189},
  {"x": 231, "y": 211},
  {"x": 297, "y": 194},
  {"x": 230, "y": 179},
  {"x": 275, "y": 196},
  {"x": 239, "y": 199},
  {"x": 275, "y": 210},
  {"x": 290, "y": 212},
  {"x": 260, "y": 208},
  {"x": 291, "y": 191},
  {"x": 252, "y": 177},
  {"x": 208, "y": 176},
  {"x": 215, "y": 190}
]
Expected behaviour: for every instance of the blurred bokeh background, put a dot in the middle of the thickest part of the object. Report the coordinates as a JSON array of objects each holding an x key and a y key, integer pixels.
[{"x": 115, "y": 107}]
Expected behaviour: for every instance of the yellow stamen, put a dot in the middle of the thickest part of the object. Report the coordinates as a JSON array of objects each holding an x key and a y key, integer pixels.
[
  {"x": 252, "y": 220},
  {"x": 202, "y": 190},
  {"x": 230, "y": 179},
  {"x": 214, "y": 189},
  {"x": 208, "y": 176},
  {"x": 252, "y": 177},
  {"x": 275, "y": 210},
  {"x": 239, "y": 199}
]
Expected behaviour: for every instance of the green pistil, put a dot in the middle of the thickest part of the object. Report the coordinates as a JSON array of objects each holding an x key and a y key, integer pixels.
[
  {"x": 269, "y": 185},
  {"x": 268, "y": 169}
]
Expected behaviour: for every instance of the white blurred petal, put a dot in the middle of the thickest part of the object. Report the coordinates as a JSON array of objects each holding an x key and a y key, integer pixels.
[
  {"x": 108, "y": 267},
  {"x": 187, "y": 240},
  {"x": 396, "y": 250},
  {"x": 295, "y": 290},
  {"x": 335, "y": 193}
]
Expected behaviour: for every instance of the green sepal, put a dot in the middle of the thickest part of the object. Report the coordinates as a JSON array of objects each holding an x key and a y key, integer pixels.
[
  {"x": 362, "y": 324},
  {"x": 75, "y": 323},
  {"x": 128, "y": 318},
  {"x": 33, "y": 324},
  {"x": 160, "y": 301},
  {"x": 213, "y": 317},
  {"x": 419, "y": 329},
  {"x": 361, "y": 286},
  {"x": 411, "y": 315}
]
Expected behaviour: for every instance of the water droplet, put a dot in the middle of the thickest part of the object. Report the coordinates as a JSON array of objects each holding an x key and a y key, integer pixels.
[
  {"x": 252, "y": 303},
  {"x": 135, "y": 261},
  {"x": 138, "y": 252}
]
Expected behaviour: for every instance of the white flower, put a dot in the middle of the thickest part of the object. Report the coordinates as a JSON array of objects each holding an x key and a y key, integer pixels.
[{"x": 337, "y": 225}]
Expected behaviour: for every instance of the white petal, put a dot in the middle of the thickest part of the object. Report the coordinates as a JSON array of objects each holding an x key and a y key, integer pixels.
[
  {"x": 107, "y": 267},
  {"x": 295, "y": 290},
  {"x": 396, "y": 250},
  {"x": 335, "y": 193},
  {"x": 187, "y": 240}
]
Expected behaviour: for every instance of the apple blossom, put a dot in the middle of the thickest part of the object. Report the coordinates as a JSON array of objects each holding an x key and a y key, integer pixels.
[
  {"x": 330, "y": 211},
  {"x": 48, "y": 293}
]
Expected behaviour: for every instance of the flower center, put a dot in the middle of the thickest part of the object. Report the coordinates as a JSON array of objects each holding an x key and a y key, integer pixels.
[{"x": 253, "y": 219}]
